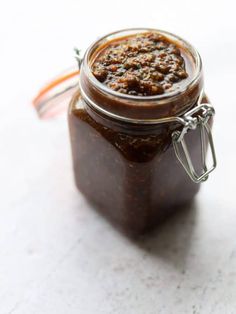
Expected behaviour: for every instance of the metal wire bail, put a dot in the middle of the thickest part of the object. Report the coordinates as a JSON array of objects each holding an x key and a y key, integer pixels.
[{"x": 198, "y": 117}]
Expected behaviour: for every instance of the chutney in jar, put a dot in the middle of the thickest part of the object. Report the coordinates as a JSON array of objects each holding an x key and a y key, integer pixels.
[{"x": 123, "y": 158}]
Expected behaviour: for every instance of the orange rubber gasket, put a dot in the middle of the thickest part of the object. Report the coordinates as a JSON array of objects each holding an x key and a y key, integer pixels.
[{"x": 51, "y": 85}]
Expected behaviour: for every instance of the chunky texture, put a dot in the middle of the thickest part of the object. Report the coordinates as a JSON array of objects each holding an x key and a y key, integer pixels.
[{"x": 142, "y": 65}]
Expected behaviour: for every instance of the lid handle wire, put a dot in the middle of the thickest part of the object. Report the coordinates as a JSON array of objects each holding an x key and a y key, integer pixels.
[{"x": 198, "y": 117}]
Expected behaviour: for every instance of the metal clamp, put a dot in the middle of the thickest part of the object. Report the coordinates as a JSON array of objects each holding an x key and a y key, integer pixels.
[{"x": 196, "y": 118}]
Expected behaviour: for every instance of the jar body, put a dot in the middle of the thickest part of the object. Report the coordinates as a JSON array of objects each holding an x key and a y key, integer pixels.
[
  {"x": 130, "y": 174},
  {"x": 127, "y": 150}
]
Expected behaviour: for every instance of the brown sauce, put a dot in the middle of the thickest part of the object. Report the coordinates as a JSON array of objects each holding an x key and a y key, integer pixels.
[
  {"x": 144, "y": 64},
  {"x": 130, "y": 172}
]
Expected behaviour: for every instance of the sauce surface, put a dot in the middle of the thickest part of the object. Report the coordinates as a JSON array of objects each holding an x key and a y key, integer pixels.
[{"x": 144, "y": 64}]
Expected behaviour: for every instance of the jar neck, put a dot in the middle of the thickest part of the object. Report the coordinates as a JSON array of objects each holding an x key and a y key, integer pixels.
[
  {"x": 121, "y": 126},
  {"x": 140, "y": 109}
]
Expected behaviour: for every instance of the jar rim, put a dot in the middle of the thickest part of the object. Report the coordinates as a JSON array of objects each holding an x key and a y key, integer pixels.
[{"x": 129, "y": 31}]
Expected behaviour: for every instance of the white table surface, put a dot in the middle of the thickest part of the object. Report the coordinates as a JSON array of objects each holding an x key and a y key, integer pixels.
[{"x": 56, "y": 254}]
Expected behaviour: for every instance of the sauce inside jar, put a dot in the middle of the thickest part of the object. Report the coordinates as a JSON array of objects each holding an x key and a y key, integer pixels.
[
  {"x": 124, "y": 163},
  {"x": 144, "y": 64}
]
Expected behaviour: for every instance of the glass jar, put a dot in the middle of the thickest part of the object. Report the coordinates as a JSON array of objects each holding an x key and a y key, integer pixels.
[{"x": 137, "y": 159}]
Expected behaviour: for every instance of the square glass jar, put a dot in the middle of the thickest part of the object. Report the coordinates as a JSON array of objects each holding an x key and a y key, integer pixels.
[{"x": 125, "y": 150}]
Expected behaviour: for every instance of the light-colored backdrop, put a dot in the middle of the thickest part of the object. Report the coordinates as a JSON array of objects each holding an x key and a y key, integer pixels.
[{"x": 56, "y": 254}]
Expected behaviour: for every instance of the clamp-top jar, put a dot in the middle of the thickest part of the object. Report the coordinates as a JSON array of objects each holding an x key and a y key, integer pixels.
[{"x": 128, "y": 149}]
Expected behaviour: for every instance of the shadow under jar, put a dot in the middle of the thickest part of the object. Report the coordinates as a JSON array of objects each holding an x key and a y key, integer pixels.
[{"x": 138, "y": 158}]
